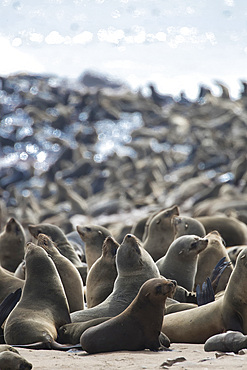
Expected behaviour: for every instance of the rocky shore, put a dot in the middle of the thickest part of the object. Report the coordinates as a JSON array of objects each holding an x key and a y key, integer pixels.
[{"x": 94, "y": 151}]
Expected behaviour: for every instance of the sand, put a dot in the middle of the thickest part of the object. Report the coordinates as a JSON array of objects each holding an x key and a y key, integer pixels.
[{"x": 189, "y": 356}]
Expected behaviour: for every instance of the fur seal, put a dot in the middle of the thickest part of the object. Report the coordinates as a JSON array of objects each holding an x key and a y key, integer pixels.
[
  {"x": 231, "y": 341},
  {"x": 180, "y": 261},
  {"x": 209, "y": 258},
  {"x": 160, "y": 233},
  {"x": 43, "y": 306},
  {"x": 59, "y": 238},
  {"x": 233, "y": 231},
  {"x": 13, "y": 361},
  {"x": 93, "y": 236},
  {"x": 228, "y": 312},
  {"x": 68, "y": 273},
  {"x": 137, "y": 327},
  {"x": 102, "y": 274},
  {"x": 134, "y": 267},
  {"x": 12, "y": 243},
  {"x": 187, "y": 226}
]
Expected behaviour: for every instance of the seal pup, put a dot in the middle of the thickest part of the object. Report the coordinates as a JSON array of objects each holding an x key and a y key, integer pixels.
[
  {"x": 102, "y": 274},
  {"x": 209, "y": 258},
  {"x": 180, "y": 261},
  {"x": 187, "y": 226},
  {"x": 68, "y": 273},
  {"x": 59, "y": 238},
  {"x": 137, "y": 327},
  {"x": 160, "y": 232},
  {"x": 93, "y": 236},
  {"x": 12, "y": 243},
  {"x": 228, "y": 312},
  {"x": 231, "y": 341},
  {"x": 43, "y": 306},
  {"x": 134, "y": 267}
]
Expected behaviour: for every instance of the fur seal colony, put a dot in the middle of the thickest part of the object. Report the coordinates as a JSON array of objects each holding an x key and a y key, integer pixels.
[{"x": 172, "y": 171}]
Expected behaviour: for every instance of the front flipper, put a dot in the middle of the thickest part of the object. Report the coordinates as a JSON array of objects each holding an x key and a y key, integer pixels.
[
  {"x": 205, "y": 295},
  {"x": 8, "y": 304}
]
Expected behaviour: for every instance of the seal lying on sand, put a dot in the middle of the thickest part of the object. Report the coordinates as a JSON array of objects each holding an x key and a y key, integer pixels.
[
  {"x": 228, "y": 312},
  {"x": 134, "y": 267},
  {"x": 43, "y": 307},
  {"x": 137, "y": 327},
  {"x": 231, "y": 341}
]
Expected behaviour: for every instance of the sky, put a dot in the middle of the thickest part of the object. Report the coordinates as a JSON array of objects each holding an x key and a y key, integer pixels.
[{"x": 172, "y": 43}]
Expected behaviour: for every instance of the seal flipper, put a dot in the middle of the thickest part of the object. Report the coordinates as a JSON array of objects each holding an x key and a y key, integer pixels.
[
  {"x": 8, "y": 304},
  {"x": 164, "y": 340},
  {"x": 218, "y": 271},
  {"x": 48, "y": 345},
  {"x": 205, "y": 295}
]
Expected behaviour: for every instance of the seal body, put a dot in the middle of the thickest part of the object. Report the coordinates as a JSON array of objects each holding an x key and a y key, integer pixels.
[
  {"x": 102, "y": 274},
  {"x": 12, "y": 243},
  {"x": 137, "y": 327},
  {"x": 134, "y": 267},
  {"x": 68, "y": 273},
  {"x": 43, "y": 306},
  {"x": 231, "y": 341},
  {"x": 233, "y": 231},
  {"x": 180, "y": 261},
  {"x": 209, "y": 258},
  {"x": 187, "y": 226},
  {"x": 160, "y": 232},
  {"x": 226, "y": 313}
]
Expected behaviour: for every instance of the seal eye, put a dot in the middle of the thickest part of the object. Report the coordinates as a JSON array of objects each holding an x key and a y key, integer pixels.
[{"x": 88, "y": 228}]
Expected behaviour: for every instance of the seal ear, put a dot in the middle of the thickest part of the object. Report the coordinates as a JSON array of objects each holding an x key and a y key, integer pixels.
[
  {"x": 158, "y": 221},
  {"x": 100, "y": 232},
  {"x": 146, "y": 295},
  {"x": 186, "y": 226},
  {"x": 180, "y": 252}
]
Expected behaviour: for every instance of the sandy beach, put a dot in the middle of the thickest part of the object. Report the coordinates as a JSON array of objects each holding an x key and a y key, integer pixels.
[{"x": 181, "y": 356}]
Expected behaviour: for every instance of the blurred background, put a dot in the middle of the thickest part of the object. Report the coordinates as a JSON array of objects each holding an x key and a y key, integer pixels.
[{"x": 174, "y": 44}]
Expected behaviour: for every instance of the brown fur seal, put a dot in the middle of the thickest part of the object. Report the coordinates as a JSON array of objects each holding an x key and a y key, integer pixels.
[
  {"x": 134, "y": 267},
  {"x": 160, "y": 233},
  {"x": 68, "y": 273},
  {"x": 209, "y": 258},
  {"x": 180, "y": 261},
  {"x": 12, "y": 243},
  {"x": 93, "y": 236},
  {"x": 137, "y": 327},
  {"x": 43, "y": 306},
  {"x": 233, "y": 231},
  {"x": 102, "y": 274},
  {"x": 228, "y": 312},
  {"x": 231, "y": 341},
  {"x": 59, "y": 238},
  {"x": 13, "y": 361},
  {"x": 187, "y": 226}
]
